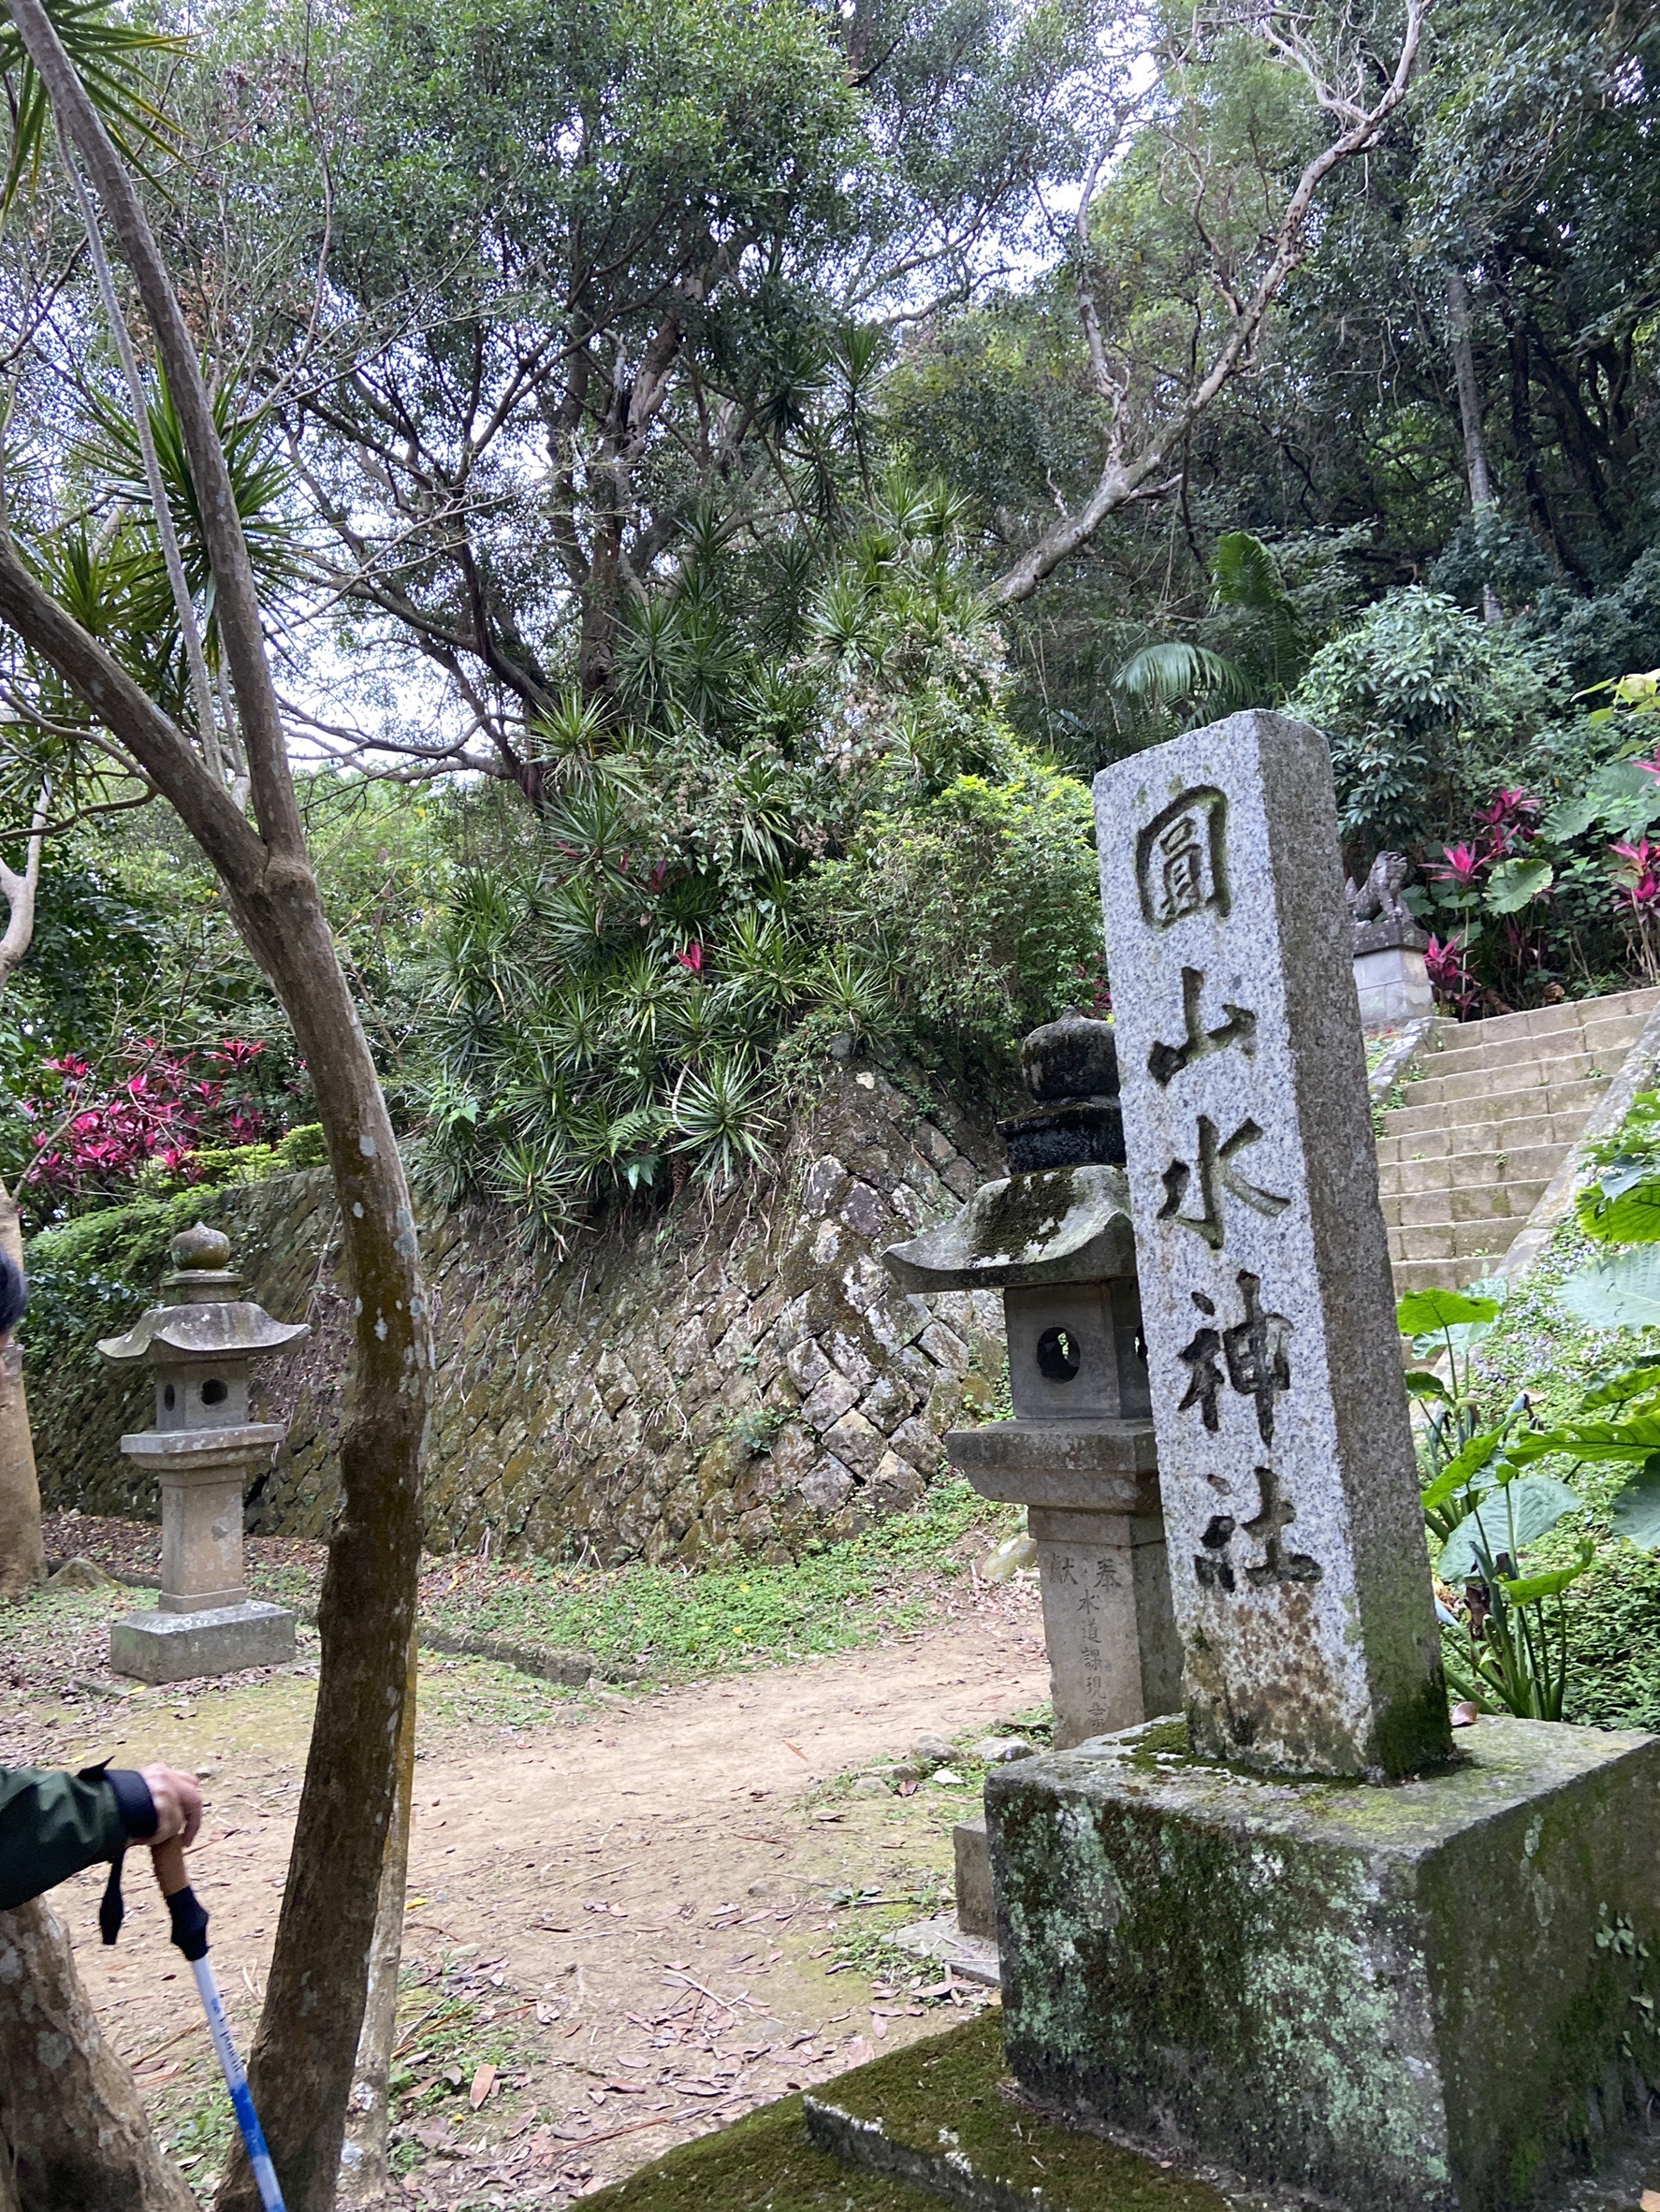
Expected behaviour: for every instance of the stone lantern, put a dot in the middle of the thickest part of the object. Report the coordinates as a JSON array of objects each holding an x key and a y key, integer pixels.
[
  {"x": 1054, "y": 1237},
  {"x": 202, "y": 1344}
]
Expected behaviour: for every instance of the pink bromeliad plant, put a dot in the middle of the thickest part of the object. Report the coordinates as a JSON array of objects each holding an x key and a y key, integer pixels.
[
  {"x": 1461, "y": 866},
  {"x": 1508, "y": 822}
]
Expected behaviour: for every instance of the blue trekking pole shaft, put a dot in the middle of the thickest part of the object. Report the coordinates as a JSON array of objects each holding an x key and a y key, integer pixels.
[{"x": 190, "y": 1932}]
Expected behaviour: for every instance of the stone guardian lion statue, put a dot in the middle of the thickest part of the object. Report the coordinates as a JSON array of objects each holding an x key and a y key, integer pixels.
[{"x": 1379, "y": 895}]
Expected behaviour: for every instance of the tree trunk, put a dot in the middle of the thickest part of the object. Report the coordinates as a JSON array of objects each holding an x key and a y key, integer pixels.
[
  {"x": 352, "y": 1811},
  {"x": 1476, "y": 469},
  {"x": 70, "y": 2114},
  {"x": 303, "y": 2056},
  {"x": 1522, "y": 434},
  {"x": 364, "y": 2179},
  {"x": 22, "y": 1558},
  {"x": 22, "y": 1555}
]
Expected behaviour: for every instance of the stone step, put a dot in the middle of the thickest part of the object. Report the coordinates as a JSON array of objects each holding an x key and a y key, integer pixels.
[
  {"x": 1508, "y": 1082},
  {"x": 1576, "y": 1098},
  {"x": 1542, "y": 1022},
  {"x": 1481, "y": 1201},
  {"x": 1492, "y": 1111},
  {"x": 1453, "y": 1240},
  {"x": 1491, "y": 1140},
  {"x": 1614, "y": 1033},
  {"x": 1472, "y": 1171},
  {"x": 1439, "y": 1274}
]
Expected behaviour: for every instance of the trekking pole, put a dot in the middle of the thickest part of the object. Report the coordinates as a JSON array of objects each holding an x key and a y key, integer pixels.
[{"x": 190, "y": 1932}]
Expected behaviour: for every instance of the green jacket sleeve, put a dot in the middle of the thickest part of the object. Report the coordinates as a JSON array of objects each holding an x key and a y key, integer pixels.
[{"x": 52, "y": 1825}]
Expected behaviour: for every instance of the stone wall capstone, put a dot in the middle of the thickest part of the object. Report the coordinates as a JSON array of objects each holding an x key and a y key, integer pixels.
[{"x": 698, "y": 1384}]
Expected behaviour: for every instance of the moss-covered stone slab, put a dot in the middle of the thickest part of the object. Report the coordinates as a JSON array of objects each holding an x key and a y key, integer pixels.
[
  {"x": 943, "y": 2116},
  {"x": 1438, "y": 1996},
  {"x": 764, "y": 2162},
  {"x": 943, "y": 2111}
]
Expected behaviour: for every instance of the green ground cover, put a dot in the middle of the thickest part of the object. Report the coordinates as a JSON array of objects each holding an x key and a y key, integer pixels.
[{"x": 673, "y": 1622}]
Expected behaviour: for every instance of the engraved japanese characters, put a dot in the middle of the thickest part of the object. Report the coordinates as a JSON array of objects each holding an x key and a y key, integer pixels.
[{"x": 1298, "y": 1566}]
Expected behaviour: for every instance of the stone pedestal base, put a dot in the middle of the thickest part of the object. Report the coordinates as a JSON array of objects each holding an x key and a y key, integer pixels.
[
  {"x": 1091, "y": 1493},
  {"x": 1432, "y": 1997},
  {"x": 1393, "y": 986},
  {"x": 172, "y": 1647},
  {"x": 1113, "y": 1652}
]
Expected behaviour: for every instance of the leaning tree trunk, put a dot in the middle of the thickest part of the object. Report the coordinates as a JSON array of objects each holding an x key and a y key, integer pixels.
[
  {"x": 71, "y": 2115},
  {"x": 302, "y": 2061},
  {"x": 364, "y": 2173},
  {"x": 22, "y": 1554},
  {"x": 305, "y": 2056}
]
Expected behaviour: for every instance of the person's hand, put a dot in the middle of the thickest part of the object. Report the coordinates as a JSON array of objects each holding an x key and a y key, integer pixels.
[{"x": 178, "y": 1803}]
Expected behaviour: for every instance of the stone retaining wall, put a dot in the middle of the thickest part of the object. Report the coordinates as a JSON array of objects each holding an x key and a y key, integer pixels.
[{"x": 684, "y": 1385}]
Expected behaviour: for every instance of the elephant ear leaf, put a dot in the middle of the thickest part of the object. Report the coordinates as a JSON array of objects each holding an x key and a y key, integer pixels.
[
  {"x": 1621, "y": 1209},
  {"x": 1635, "y": 1512},
  {"x": 1619, "y": 1293},
  {"x": 1507, "y": 1520},
  {"x": 1422, "y": 1311},
  {"x": 1619, "y": 1389},
  {"x": 1515, "y": 883}
]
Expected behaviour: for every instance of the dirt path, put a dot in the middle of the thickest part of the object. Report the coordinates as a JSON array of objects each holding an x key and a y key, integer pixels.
[{"x": 631, "y": 1908}]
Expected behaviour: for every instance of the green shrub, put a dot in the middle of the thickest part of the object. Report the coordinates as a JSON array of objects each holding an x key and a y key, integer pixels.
[
  {"x": 984, "y": 899},
  {"x": 1428, "y": 711}
]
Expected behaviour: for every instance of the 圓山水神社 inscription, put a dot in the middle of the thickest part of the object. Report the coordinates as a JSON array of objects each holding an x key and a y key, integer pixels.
[{"x": 1298, "y": 1564}]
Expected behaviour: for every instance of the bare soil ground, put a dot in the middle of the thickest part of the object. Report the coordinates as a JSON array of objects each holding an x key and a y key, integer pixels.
[{"x": 631, "y": 1918}]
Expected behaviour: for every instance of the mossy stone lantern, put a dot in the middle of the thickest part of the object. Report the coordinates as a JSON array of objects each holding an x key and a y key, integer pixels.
[
  {"x": 201, "y": 1344},
  {"x": 1054, "y": 1237}
]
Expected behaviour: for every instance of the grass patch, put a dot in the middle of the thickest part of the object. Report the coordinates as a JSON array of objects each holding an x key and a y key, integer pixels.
[
  {"x": 679, "y": 1621},
  {"x": 200, "y": 2136}
]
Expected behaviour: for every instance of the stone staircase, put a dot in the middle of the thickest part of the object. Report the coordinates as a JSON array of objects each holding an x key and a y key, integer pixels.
[{"x": 1490, "y": 1113}]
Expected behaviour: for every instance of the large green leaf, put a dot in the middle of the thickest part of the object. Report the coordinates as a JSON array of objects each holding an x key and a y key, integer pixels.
[
  {"x": 1515, "y": 883},
  {"x": 1524, "y": 1589},
  {"x": 1161, "y": 674},
  {"x": 1463, "y": 1467},
  {"x": 1619, "y": 1389},
  {"x": 1620, "y": 1293},
  {"x": 1635, "y": 1512},
  {"x": 1621, "y": 798},
  {"x": 1623, "y": 1215},
  {"x": 1507, "y": 1520},
  {"x": 1626, "y": 1442},
  {"x": 1424, "y": 1313}
]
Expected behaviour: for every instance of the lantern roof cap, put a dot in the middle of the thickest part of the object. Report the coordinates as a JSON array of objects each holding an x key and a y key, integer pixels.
[
  {"x": 233, "y": 1328},
  {"x": 1064, "y": 1225},
  {"x": 202, "y": 1319}
]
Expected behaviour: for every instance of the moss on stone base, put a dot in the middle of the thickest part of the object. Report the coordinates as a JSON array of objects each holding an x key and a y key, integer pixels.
[
  {"x": 948, "y": 2105},
  {"x": 948, "y": 2092},
  {"x": 762, "y": 2163}
]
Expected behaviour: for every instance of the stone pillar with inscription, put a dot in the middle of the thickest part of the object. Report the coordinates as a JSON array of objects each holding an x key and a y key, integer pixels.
[
  {"x": 1288, "y": 1467},
  {"x": 1295, "y": 1934}
]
